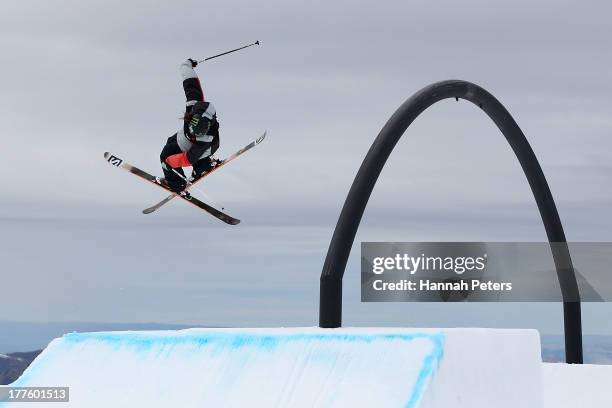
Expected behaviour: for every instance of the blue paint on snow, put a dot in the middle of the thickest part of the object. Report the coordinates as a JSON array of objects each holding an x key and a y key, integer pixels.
[
  {"x": 430, "y": 364},
  {"x": 218, "y": 342},
  {"x": 145, "y": 341}
]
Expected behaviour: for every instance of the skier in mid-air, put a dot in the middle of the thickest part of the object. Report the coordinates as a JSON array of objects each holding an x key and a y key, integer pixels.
[
  {"x": 197, "y": 140},
  {"x": 192, "y": 146}
]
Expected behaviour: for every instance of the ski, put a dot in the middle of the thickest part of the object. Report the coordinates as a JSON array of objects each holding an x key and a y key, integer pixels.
[
  {"x": 118, "y": 162},
  {"x": 221, "y": 164}
]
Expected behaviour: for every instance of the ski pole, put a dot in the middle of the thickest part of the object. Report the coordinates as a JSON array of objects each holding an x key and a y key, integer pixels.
[{"x": 230, "y": 51}]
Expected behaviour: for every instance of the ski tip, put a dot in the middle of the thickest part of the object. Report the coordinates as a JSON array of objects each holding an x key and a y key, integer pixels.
[
  {"x": 261, "y": 138},
  {"x": 147, "y": 211},
  {"x": 112, "y": 159}
]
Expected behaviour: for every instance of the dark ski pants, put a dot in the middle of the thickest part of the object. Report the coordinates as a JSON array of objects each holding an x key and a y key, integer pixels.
[{"x": 176, "y": 182}]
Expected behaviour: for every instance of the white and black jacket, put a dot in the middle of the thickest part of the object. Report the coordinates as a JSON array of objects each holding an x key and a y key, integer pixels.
[{"x": 195, "y": 148}]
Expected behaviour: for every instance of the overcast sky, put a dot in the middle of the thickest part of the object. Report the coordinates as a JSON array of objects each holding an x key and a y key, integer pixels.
[{"x": 80, "y": 78}]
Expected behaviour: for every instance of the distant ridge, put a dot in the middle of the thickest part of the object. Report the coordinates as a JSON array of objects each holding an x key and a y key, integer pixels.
[
  {"x": 597, "y": 349},
  {"x": 13, "y": 364}
]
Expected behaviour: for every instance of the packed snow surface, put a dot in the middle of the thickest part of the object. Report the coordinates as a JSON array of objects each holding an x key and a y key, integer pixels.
[
  {"x": 577, "y": 385},
  {"x": 293, "y": 367}
]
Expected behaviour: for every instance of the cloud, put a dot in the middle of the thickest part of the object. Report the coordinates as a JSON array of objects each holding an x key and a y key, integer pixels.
[{"x": 79, "y": 79}]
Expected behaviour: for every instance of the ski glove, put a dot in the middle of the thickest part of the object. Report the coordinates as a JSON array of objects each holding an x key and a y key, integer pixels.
[{"x": 194, "y": 63}]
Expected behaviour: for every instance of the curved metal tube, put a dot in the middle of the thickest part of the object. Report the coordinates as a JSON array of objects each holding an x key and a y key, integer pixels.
[{"x": 330, "y": 312}]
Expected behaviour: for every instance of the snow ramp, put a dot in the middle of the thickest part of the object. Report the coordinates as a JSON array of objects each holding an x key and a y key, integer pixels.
[{"x": 293, "y": 367}]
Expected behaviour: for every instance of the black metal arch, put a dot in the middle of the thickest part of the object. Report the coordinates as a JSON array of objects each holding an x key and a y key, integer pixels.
[{"x": 330, "y": 312}]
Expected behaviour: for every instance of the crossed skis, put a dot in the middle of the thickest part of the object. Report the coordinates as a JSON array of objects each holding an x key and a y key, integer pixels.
[{"x": 118, "y": 162}]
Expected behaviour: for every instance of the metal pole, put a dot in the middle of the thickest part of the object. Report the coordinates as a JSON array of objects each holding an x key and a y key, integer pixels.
[
  {"x": 230, "y": 51},
  {"x": 330, "y": 309}
]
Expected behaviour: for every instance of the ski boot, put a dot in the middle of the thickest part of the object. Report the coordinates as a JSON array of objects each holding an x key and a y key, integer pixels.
[
  {"x": 214, "y": 162},
  {"x": 196, "y": 175},
  {"x": 175, "y": 187},
  {"x": 186, "y": 195}
]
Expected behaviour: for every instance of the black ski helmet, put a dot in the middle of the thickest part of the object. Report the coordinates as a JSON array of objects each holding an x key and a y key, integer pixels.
[{"x": 202, "y": 116}]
